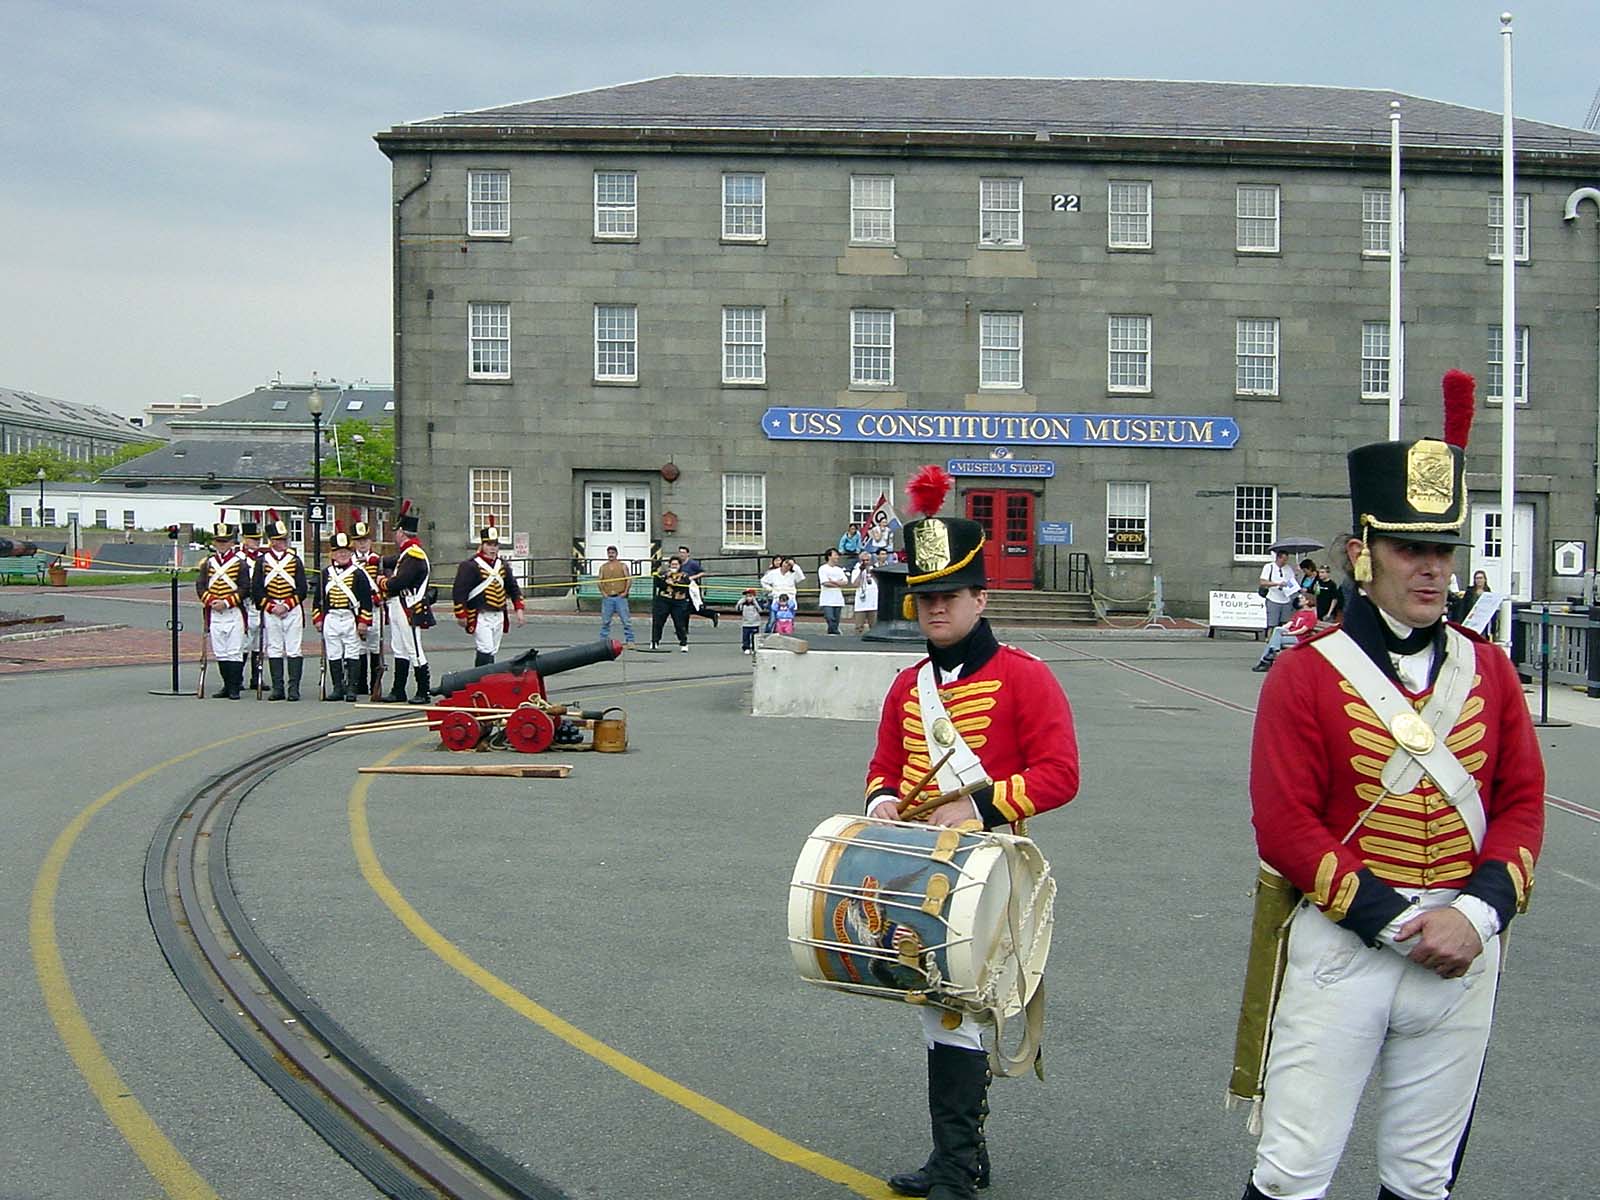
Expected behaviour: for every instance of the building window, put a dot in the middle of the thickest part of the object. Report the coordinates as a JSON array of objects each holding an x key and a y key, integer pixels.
[
  {"x": 744, "y": 207},
  {"x": 488, "y": 203},
  {"x": 1000, "y": 350},
  {"x": 1128, "y": 214},
  {"x": 1375, "y": 222},
  {"x": 489, "y": 499},
  {"x": 744, "y": 345},
  {"x": 866, "y": 493},
  {"x": 127, "y": 519},
  {"x": 1375, "y": 358},
  {"x": 616, "y": 204},
  {"x": 872, "y": 346},
  {"x": 1497, "y": 361},
  {"x": 1255, "y": 521},
  {"x": 1256, "y": 356},
  {"x": 27, "y": 517},
  {"x": 355, "y": 405},
  {"x": 1000, "y": 212},
  {"x": 1256, "y": 217},
  {"x": 489, "y": 341},
  {"x": 616, "y": 342},
  {"x": 633, "y": 514},
  {"x": 1497, "y": 230},
  {"x": 1128, "y": 354},
  {"x": 744, "y": 512},
  {"x": 1127, "y": 520},
  {"x": 872, "y": 209},
  {"x": 47, "y": 516},
  {"x": 101, "y": 517}
]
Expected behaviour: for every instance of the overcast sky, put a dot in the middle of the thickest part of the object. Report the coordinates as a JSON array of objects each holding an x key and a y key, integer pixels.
[{"x": 192, "y": 201}]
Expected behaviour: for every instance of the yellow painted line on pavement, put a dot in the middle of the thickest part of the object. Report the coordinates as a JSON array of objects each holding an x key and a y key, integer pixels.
[
  {"x": 160, "y": 1157},
  {"x": 725, "y": 1118}
]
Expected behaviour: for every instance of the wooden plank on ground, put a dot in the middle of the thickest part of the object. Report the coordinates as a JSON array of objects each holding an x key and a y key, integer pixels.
[{"x": 510, "y": 770}]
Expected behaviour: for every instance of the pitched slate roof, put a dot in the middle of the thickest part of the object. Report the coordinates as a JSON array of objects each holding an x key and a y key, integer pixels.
[
  {"x": 34, "y": 409},
  {"x": 226, "y": 459},
  {"x": 1072, "y": 107},
  {"x": 286, "y": 404}
]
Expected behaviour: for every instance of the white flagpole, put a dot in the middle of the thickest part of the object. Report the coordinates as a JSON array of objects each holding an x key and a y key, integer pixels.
[
  {"x": 1508, "y": 340},
  {"x": 1396, "y": 361}
]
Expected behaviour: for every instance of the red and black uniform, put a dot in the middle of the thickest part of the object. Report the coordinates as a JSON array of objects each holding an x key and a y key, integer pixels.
[{"x": 1007, "y": 706}]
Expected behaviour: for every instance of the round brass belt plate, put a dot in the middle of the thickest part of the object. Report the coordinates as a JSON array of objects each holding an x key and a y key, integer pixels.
[
  {"x": 944, "y": 732},
  {"x": 1413, "y": 733}
]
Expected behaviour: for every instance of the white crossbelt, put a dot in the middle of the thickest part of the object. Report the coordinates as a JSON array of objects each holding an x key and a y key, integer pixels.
[
  {"x": 338, "y": 580},
  {"x": 941, "y": 735},
  {"x": 1420, "y": 746},
  {"x": 276, "y": 570},
  {"x": 490, "y": 575},
  {"x": 219, "y": 575}
]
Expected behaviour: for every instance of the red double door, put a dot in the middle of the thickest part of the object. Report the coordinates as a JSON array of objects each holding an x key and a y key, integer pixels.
[{"x": 1007, "y": 520}]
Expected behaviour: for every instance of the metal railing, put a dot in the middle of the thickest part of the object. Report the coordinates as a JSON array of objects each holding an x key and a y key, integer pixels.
[{"x": 1560, "y": 642}]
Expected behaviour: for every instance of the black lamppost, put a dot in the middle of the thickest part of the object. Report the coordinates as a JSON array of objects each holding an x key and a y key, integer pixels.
[
  {"x": 314, "y": 523},
  {"x": 41, "y": 498}
]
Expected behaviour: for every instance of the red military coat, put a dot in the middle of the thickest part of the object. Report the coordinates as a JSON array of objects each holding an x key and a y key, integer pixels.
[
  {"x": 1314, "y": 767},
  {"x": 1013, "y": 714}
]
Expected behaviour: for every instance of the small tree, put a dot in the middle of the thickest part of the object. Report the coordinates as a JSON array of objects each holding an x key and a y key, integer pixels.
[{"x": 366, "y": 451}]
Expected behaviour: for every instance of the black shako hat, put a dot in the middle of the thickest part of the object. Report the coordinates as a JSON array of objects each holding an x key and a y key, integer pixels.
[
  {"x": 408, "y": 520},
  {"x": 1415, "y": 491},
  {"x": 942, "y": 553}
]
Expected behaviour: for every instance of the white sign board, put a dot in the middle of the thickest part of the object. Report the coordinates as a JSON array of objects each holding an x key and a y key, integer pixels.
[
  {"x": 1484, "y": 610},
  {"x": 1568, "y": 558},
  {"x": 519, "y": 545},
  {"x": 1237, "y": 610}
]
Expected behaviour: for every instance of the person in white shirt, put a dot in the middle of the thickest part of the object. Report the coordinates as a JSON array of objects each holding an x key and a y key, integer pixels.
[
  {"x": 831, "y": 580},
  {"x": 866, "y": 585},
  {"x": 1280, "y": 582}
]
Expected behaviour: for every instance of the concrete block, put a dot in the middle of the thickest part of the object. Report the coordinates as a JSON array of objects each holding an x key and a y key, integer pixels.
[{"x": 832, "y": 685}]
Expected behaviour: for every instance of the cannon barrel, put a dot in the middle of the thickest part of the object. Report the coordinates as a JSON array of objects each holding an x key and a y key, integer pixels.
[
  {"x": 546, "y": 663},
  {"x": 10, "y": 549}
]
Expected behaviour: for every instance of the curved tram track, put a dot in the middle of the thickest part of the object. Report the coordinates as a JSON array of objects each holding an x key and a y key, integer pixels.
[{"x": 404, "y": 1145}]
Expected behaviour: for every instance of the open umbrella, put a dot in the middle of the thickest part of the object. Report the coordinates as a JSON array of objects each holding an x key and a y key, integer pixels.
[{"x": 1295, "y": 545}]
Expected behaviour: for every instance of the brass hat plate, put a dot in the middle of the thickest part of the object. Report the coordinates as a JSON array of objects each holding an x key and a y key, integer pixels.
[
  {"x": 930, "y": 545},
  {"x": 1413, "y": 733},
  {"x": 1430, "y": 477}
]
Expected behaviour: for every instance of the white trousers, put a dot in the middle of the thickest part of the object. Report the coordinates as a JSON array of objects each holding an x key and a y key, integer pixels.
[
  {"x": 489, "y": 631},
  {"x": 339, "y": 638},
  {"x": 284, "y": 633},
  {"x": 372, "y": 639},
  {"x": 1346, "y": 1008},
  {"x": 404, "y": 640},
  {"x": 227, "y": 634},
  {"x": 968, "y": 1034}
]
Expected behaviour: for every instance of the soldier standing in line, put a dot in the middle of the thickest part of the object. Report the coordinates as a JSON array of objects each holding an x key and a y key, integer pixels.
[
  {"x": 250, "y": 547},
  {"x": 280, "y": 592},
  {"x": 485, "y": 595},
  {"x": 408, "y": 609},
  {"x": 224, "y": 588},
  {"x": 343, "y": 613},
  {"x": 372, "y": 636}
]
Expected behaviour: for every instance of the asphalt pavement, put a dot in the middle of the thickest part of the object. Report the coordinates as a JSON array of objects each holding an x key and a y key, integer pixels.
[{"x": 595, "y": 976}]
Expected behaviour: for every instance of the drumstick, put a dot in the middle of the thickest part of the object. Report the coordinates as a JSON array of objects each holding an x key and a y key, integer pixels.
[
  {"x": 911, "y": 797},
  {"x": 912, "y": 812}
]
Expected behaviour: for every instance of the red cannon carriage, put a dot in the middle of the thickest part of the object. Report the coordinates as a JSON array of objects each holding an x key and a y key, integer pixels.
[{"x": 506, "y": 703}]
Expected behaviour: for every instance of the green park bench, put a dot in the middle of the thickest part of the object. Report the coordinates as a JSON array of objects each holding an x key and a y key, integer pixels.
[{"x": 30, "y": 567}]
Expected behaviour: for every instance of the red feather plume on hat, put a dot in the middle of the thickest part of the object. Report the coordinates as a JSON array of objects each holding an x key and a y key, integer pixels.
[
  {"x": 272, "y": 514},
  {"x": 926, "y": 490},
  {"x": 1459, "y": 388},
  {"x": 405, "y": 507}
]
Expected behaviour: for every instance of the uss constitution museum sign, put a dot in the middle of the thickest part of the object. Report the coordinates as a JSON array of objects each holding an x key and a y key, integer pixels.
[{"x": 1014, "y": 428}]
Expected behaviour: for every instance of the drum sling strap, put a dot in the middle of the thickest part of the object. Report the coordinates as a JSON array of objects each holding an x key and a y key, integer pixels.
[
  {"x": 1420, "y": 749},
  {"x": 962, "y": 769}
]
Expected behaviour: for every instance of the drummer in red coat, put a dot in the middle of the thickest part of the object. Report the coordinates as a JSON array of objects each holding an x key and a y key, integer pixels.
[
  {"x": 1001, "y": 717},
  {"x": 1396, "y": 781}
]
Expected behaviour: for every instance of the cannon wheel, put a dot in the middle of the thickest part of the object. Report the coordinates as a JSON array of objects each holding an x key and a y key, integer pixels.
[
  {"x": 529, "y": 730},
  {"x": 460, "y": 731}
]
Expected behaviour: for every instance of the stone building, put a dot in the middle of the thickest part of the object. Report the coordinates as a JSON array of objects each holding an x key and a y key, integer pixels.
[{"x": 736, "y": 311}]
